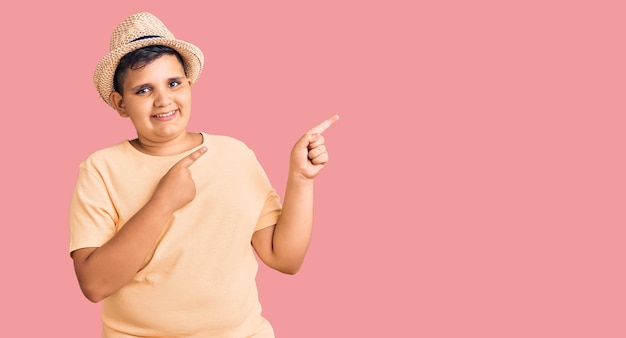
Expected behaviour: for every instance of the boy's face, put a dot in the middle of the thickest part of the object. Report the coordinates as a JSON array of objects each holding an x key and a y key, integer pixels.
[{"x": 157, "y": 99}]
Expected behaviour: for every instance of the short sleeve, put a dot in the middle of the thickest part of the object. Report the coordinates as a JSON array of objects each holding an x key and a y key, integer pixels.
[
  {"x": 272, "y": 207},
  {"x": 271, "y": 211},
  {"x": 92, "y": 218}
]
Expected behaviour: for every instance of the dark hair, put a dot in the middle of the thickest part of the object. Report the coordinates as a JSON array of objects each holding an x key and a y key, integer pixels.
[{"x": 138, "y": 59}]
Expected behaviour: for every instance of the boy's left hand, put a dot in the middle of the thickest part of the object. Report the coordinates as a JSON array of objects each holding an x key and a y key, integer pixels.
[{"x": 309, "y": 155}]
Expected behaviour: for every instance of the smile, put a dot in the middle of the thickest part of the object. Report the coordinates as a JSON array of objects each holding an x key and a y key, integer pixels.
[{"x": 165, "y": 115}]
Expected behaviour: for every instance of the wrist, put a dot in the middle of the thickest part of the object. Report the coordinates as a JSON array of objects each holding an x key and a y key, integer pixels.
[
  {"x": 159, "y": 207},
  {"x": 299, "y": 179}
]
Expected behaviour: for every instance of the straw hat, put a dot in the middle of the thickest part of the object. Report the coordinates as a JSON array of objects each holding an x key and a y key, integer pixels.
[{"x": 137, "y": 31}]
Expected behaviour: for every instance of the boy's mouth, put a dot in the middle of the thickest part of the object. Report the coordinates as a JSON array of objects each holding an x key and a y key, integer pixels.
[{"x": 165, "y": 115}]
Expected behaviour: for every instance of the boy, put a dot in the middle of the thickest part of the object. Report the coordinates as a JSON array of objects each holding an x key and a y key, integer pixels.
[{"x": 163, "y": 228}]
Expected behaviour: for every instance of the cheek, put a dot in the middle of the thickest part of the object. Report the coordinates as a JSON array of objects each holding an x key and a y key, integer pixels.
[
  {"x": 184, "y": 98},
  {"x": 187, "y": 95},
  {"x": 138, "y": 108},
  {"x": 139, "y": 103}
]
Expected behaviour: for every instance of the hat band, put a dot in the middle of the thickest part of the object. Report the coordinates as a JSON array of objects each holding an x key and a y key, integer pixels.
[{"x": 146, "y": 37}]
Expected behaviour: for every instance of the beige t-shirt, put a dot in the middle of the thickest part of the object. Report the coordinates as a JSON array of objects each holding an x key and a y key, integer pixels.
[{"x": 199, "y": 280}]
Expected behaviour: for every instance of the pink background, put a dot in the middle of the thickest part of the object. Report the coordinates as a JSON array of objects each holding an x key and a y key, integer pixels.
[{"x": 477, "y": 178}]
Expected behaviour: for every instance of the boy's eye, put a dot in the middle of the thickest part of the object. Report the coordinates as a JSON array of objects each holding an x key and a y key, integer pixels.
[
  {"x": 174, "y": 83},
  {"x": 143, "y": 90}
]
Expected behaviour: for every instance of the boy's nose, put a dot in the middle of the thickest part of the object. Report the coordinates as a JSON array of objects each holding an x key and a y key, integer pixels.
[{"x": 161, "y": 99}]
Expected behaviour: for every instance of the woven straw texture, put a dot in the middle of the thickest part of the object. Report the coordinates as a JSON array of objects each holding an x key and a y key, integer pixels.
[{"x": 150, "y": 31}]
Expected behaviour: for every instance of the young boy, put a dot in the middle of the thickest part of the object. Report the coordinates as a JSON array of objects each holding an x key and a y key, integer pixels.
[{"x": 163, "y": 228}]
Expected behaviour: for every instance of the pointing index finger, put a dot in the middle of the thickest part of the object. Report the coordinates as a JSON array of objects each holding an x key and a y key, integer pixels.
[
  {"x": 191, "y": 158},
  {"x": 320, "y": 128}
]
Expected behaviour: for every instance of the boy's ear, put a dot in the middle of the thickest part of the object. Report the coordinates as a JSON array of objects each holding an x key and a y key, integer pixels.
[{"x": 118, "y": 103}]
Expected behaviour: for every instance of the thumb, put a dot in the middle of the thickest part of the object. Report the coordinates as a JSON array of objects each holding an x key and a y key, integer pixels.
[{"x": 306, "y": 140}]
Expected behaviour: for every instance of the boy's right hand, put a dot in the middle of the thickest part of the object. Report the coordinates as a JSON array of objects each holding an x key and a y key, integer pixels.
[{"x": 176, "y": 188}]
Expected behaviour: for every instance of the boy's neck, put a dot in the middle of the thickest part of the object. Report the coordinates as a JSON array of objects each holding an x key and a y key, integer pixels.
[{"x": 174, "y": 147}]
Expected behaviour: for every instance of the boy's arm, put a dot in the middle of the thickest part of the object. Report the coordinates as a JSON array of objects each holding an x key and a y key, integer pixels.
[
  {"x": 104, "y": 270},
  {"x": 284, "y": 245}
]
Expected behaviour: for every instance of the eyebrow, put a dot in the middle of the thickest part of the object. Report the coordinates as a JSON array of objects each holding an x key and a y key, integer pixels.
[{"x": 176, "y": 78}]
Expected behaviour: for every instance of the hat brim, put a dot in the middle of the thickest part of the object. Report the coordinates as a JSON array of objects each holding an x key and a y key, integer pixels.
[{"x": 105, "y": 70}]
